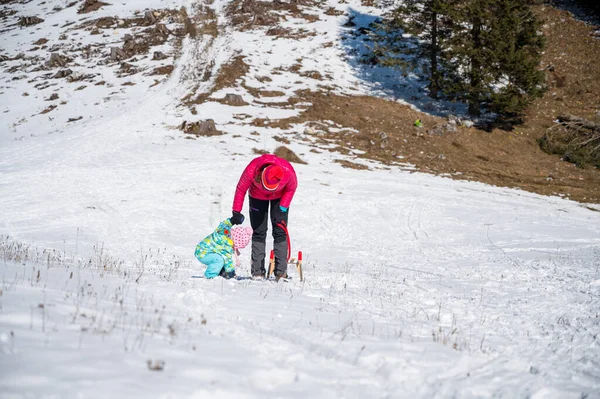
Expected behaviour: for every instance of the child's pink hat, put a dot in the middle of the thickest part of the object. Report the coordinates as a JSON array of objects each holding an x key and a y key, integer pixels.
[{"x": 241, "y": 236}]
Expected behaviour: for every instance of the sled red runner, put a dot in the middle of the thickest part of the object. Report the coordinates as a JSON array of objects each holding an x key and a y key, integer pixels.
[
  {"x": 291, "y": 261},
  {"x": 299, "y": 266}
]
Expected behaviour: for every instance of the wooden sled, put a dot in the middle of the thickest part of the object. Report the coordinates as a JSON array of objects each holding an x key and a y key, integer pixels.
[{"x": 293, "y": 261}]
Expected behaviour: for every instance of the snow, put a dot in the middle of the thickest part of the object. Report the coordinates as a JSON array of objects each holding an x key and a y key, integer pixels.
[
  {"x": 416, "y": 285},
  {"x": 22, "y": 100}
]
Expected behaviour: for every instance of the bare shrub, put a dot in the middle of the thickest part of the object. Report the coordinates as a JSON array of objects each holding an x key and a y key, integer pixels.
[{"x": 575, "y": 138}]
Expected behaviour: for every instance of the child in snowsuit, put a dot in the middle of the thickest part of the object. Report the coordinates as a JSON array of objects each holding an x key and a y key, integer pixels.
[{"x": 217, "y": 250}]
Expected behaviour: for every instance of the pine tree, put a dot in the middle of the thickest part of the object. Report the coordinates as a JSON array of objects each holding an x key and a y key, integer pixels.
[
  {"x": 495, "y": 54},
  {"x": 425, "y": 20},
  {"x": 518, "y": 47},
  {"x": 483, "y": 52},
  {"x": 469, "y": 55}
]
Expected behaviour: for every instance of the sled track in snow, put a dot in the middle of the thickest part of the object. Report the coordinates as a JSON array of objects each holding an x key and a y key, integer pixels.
[
  {"x": 414, "y": 226},
  {"x": 497, "y": 253}
]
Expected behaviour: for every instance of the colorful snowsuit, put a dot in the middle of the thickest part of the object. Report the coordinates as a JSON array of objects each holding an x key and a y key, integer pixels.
[{"x": 216, "y": 251}]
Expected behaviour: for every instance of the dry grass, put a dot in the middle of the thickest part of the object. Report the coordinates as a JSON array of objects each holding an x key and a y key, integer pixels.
[
  {"x": 386, "y": 131},
  {"x": 189, "y": 27},
  {"x": 572, "y": 73},
  {"x": 245, "y": 14},
  {"x": 351, "y": 165},
  {"x": 333, "y": 12},
  {"x": 281, "y": 139},
  {"x": 49, "y": 109},
  {"x": 90, "y": 6},
  {"x": 163, "y": 70},
  {"x": 270, "y": 93},
  {"x": 227, "y": 77},
  {"x": 505, "y": 158}
]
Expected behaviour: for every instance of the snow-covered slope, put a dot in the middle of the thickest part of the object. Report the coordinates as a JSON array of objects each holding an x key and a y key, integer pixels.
[
  {"x": 42, "y": 95},
  {"x": 416, "y": 285}
]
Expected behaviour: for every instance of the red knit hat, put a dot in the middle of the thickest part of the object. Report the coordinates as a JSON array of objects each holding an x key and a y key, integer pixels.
[{"x": 271, "y": 176}]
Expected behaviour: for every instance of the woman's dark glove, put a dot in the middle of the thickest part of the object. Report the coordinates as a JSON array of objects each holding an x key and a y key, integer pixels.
[{"x": 237, "y": 218}]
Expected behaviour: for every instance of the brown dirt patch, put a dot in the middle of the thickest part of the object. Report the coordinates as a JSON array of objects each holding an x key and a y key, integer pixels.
[
  {"x": 49, "y": 109},
  {"x": 30, "y": 21},
  {"x": 228, "y": 75},
  {"x": 210, "y": 28},
  {"x": 163, "y": 70},
  {"x": 333, "y": 12},
  {"x": 288, "y": 155},
  {"x": 270, "y": 93},
  {"x": 6, "y": 12},
  {"x": 231, "y": 72},
  {"x": 189, "y": 27},
  {"x": 90, "y": 6},
  {"x": 272, "y": 104},
  {"x": 572, "y": 72},
  {"x": 295, "y": 68},
  {"x": 386, "y": 130},
  {"x": 246, "y": 14},
  {"x": 351, "y": 165},
  {"x": 279, "y": 31},
  {"x": 310, "y": 17},
  {"x": 105, "y": 22},
  {"x": 204, "y": 128},
  {"x": 205, "y": 20},
  {"x": 158, "y": 17},
  {"x": 312, "y": 74},
  {"x": 141, "y": 41},
  {"x": 288, "y": 33},
  {"x": 387, "y": 133},
  {"x": 281, "y": 139}
]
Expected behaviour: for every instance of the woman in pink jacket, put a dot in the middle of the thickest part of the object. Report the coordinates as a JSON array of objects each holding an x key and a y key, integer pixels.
[{"x": 272, "y": 183}]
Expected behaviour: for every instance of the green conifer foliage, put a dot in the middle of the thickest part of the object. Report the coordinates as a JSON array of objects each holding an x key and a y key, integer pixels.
[
  {"x": 485, "y": 53},
  {"x": 425, "y": 21},
  {"x": 517, "y": 45}
]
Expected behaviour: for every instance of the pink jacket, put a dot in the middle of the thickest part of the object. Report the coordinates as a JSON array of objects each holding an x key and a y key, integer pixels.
[{"x": 285, "y": 191}]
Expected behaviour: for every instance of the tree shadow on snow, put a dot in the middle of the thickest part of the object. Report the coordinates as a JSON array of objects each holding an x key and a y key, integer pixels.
[{"x": 384, "y": 81}]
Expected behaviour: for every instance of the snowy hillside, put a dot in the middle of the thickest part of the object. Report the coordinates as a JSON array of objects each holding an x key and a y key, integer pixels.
[{"x": 416, "y": 286}]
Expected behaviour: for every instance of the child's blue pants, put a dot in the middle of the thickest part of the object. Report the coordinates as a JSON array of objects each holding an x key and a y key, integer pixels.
[{"x": 214, "y": 263}]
